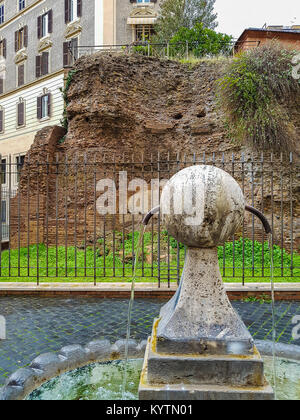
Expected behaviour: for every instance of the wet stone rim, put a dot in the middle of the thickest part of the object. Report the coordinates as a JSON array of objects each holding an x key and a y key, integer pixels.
[{"x": 50, "y": 365}]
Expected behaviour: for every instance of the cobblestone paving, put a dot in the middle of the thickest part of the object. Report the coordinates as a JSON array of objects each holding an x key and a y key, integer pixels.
[{"x": 39, "y": 325}]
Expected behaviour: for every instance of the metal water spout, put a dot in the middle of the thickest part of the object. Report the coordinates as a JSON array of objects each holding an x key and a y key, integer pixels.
[
  {"x": 261, "y": 217},
  {"x": 250, "y": 209}
]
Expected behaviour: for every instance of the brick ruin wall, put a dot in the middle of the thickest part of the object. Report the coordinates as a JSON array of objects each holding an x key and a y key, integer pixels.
[{"x": 135, "y": 108}]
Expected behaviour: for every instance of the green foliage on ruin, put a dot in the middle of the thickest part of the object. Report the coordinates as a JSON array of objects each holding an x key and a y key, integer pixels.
[
  {"x": 258, "y": 96},
  {"x": 64, "y": 121}
]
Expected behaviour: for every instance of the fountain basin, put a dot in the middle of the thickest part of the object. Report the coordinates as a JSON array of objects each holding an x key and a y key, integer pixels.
[{"x": 103, "y": 379}]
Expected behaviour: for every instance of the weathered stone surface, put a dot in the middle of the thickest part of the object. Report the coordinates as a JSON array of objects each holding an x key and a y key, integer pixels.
[
  {"x": 204, "y": 393},
  {"x": 119, "y": 347},
  {"x": 108, "y": 117},
  {"x": 200, "y": 318},
  {"x": 99, "y": 349},
  {"x": 202, "y": 206},
  {"x": 202, "y": 128},
  {"x": 11, "y": 393},
  {"x": 209, "y": 370},
  {"x": 75, "y": 355},
  {"x": 185, "y": 378},
  {"x": 23, "y": 380},
  {"x": 141, "y": 348},
  {"x": 201, "y": 111},
  {"x": 48, "y": 364},
  {"x": 156, "y": 127}
]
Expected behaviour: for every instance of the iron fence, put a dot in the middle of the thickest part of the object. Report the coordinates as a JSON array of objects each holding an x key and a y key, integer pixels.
[
  {"x": 59, "y": 232},
  {"x": 167, "y": 50}
]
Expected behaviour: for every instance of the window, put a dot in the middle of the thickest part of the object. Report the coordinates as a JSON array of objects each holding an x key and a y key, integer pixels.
[
  {"x": 45, "y": 24},
  {"x": 1, "y": 89},
  {"x": 3, "y": 211},
  {"x": 1, "y": 13},
  {"x": 42, "y": 64},
  {"x": 21, "y": 74},
  {"x": 44, "y": 106},
  {"x": 21, "y": 114},
  {"x": 20, "y": 163},
  {"x": 21, "y": 38},
  {"x": 143, "y": 32},
  {"x": 21, "y": 4},
  {"x": 70, "y": 52},
  {"x": 73, "y": 10},
  {"x": 1, "y": 120},
  {"x": 3, "y": 48},
  {"x": 143, "y": 1},
  {"x": 3, "y": 171}
]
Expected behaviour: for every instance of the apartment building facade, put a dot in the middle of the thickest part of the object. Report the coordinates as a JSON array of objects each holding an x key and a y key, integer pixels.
[{"x": 36, "y": 37}]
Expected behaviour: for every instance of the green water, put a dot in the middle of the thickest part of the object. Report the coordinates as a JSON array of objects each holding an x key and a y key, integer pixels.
[
  {"x": 98, "y": 381},
  {"x": 104, "y": 381}
]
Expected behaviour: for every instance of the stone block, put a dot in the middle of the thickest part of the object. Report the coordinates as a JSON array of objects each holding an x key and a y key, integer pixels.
[
  {"x": 119, "y": 348},
  {"x": 98, "y": 350},
  {"x": 211, "y": 370}
]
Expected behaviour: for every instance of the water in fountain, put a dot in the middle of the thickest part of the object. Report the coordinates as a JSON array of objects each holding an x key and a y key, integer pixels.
[
  {"x": 273, "y": 309},
  {"x": 131, "y": 301}
]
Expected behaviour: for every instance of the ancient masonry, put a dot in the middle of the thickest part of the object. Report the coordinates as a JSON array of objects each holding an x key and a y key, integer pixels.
[{"x": 122, "y": 112}]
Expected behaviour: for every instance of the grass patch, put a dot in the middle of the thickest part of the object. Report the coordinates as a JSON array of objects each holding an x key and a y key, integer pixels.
[{"x": 114, "y": 263}]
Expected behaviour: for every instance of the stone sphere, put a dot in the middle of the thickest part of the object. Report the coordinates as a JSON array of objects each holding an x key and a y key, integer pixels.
[{"x": 202, "y": 206}]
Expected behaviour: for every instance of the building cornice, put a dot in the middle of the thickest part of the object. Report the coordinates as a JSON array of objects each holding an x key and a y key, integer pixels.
[
  {"x": 21, "y": 13},
  {"x": 34, "y": 83}
]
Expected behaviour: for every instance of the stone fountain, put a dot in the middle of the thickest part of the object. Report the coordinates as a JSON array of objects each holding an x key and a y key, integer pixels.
[{"x": 200, "y": 349}]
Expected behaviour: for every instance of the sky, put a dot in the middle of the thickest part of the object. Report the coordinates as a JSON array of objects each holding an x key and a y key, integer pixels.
[{"x": 236, "y": 15}]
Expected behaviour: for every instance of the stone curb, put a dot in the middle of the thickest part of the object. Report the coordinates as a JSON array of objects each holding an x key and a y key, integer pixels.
[
  {"x": 49, "y": 365},
  {"x": 285, "y": 351}
]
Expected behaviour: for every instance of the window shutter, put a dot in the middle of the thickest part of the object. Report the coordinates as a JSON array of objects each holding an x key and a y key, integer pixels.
[
  {"x": 39, "y": 27},
  {"x": 66, "y": 54},
  {"x": 25, "y": 36},
  {"x": 16, "y": 41},
  {"x": 1, "y": 86},
  {"x": 50, "y": 21},
  {"x": 38, "y": 71},
  {"x": 39, "y": 107},
  {"x": 67, "y": 11},
  {"x": 79, "y": 8},
  {"x": 4, "y": 47},
  {"x": 74, "y": 44},
  {"x": 1, "y": 121},
  {"x": 21, "y": 114},
  {"x": 21, "y": 78},
  {"x": 49, "y": 104}
]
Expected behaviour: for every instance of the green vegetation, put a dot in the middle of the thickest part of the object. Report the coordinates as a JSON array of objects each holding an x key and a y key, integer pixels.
[
  {"x": 201, "y": 41},
  {"x": 177, "y": 14},
  {"x": 256, "y": 95},
  {"x": 64, "y": 121},
  {"x": 261, "y": 299},
  {"x": 256, "y": 256}
]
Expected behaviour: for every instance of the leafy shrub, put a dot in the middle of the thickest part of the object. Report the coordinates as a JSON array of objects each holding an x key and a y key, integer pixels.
[
  {"x": 257, "y": 93},
  {"x": 201, "y": 41}
]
